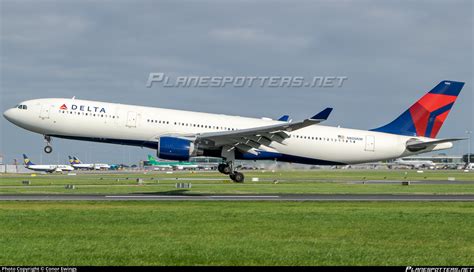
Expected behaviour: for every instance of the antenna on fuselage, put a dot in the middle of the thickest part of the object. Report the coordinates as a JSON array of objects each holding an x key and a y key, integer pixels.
[{"x": 74, "y": 97}]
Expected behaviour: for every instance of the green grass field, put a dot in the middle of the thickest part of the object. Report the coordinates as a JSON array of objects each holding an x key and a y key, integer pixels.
[
  {"x": 292, "y": 182},
  {"x": 236, "y": 233}
]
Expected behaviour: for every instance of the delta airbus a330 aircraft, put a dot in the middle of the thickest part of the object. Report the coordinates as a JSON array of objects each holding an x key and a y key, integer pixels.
[{"x": 179, "y": 135}]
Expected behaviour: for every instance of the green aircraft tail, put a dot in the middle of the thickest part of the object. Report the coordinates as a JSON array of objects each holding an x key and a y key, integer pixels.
[{"x": 151, "y": 158}]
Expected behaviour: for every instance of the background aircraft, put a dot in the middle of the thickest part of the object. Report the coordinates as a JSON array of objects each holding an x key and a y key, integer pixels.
[
  {"x": 77, "y": 164},
  {"x": 416, "y": 164},
  {"x": 45, "y": 167},
  {"x": 177, "y": 165}
]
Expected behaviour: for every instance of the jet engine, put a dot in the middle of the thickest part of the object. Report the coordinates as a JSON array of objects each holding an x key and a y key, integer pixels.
[{"x": 177, "y": 149}]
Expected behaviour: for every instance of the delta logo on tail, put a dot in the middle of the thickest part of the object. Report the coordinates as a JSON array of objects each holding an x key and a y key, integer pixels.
[{"x": 427, "y": 115}]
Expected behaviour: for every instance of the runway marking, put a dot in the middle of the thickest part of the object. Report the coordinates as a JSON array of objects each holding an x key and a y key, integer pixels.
[
  {"x": 244, "y": 196},
  {"x": 190, "y": 196},
  {"x": 119, "y": 196},
  {"x": 330, "y": 198}
]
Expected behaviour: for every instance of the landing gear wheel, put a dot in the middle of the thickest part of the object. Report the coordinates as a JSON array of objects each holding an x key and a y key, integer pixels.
[
  {"x": 48, "y": 149},
  {"x": 224, "y": 168},
  {"x": 237, "y": 177}
]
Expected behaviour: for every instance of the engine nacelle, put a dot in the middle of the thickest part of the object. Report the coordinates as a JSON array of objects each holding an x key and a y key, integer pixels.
[{"x": 177, "y": 149}]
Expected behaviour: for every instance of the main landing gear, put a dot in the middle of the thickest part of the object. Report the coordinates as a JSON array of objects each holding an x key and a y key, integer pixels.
[
  {"x": 48, "y": 149},
  {"x": 228, "y": 169}
]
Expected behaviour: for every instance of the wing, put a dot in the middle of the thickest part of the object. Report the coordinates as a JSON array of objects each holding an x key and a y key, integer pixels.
[{"x": 246, "y": 140}]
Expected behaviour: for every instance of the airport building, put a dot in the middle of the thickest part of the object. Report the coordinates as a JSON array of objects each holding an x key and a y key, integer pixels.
[{"x": 438, "y": 158}]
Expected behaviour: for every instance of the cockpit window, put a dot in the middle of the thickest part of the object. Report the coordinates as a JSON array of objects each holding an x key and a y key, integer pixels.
[{"x": 21, "y": 107}]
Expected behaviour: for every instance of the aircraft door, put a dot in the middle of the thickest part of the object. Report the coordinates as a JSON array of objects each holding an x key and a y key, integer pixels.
[
  {"x": 131, "y": 119},
  {"x": 369, "y": 143},
  {"x": 44, "y": 113}
]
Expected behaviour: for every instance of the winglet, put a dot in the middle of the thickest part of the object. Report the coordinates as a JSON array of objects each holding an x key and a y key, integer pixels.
[
  {"x": 284, "y": 118},
  {"x": 323, "y": 115}
]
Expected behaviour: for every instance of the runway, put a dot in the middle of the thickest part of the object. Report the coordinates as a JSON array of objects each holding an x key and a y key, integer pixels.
[{"x": 274, "y": 197}]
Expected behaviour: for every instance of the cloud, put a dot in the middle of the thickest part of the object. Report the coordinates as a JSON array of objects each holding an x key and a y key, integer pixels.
[
  {"x": 258, "y": 37},
  {"x": 392, "y": 52}
]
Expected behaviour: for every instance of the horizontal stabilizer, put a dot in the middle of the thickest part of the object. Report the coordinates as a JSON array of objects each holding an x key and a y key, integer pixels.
[{"x": 417, "y": 145}]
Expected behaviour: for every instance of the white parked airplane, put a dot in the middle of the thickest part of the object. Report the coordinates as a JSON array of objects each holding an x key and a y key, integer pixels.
[
  {"x": 45, "y": 167},
  {"x": 77, "y": 164},
  {"x": 179, "y": 135},
  {"x": 416, "y": 163}
]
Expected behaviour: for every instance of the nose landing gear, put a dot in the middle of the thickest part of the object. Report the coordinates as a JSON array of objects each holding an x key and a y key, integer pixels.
[{"x": 48, "y": 149}]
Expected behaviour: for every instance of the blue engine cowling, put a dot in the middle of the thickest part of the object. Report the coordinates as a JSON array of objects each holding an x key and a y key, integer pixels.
[{"x": 173, "y": 148}]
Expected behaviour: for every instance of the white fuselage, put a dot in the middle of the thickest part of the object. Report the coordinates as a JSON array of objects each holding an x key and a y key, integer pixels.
[
  {"x": 90, "y": 166},
  {"x": 416, "y": 163},
  {"x": 87, "y": 166},
  {"x": 137, "y": 125},
  {"x": 49, "y": 167}
]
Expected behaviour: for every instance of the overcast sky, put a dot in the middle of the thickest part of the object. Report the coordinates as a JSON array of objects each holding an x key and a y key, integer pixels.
[{"x": 391, "y": 51}]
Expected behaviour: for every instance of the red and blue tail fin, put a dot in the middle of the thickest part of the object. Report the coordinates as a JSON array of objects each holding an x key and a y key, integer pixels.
[{"x": 426, "y": 116}]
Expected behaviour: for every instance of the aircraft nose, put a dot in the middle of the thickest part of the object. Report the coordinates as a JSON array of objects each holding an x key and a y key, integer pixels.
[{"x": 8, "y": 114}]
